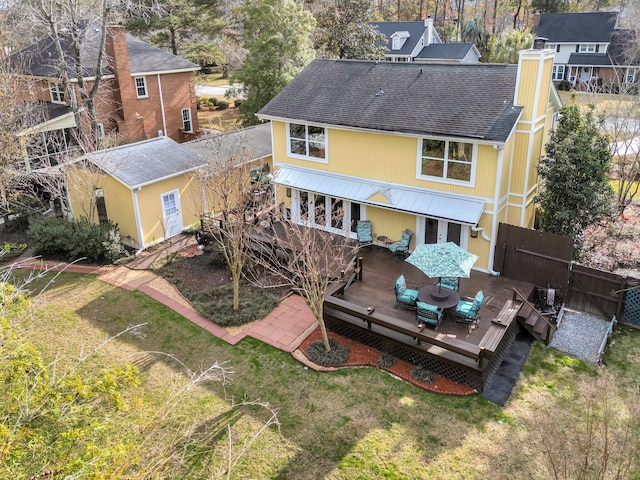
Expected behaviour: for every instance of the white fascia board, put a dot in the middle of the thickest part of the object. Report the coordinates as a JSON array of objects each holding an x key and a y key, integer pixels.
[{"x": 479, "y": 141}]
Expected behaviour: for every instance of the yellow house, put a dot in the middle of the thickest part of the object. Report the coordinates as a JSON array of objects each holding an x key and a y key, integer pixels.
[
  {"x": 447, "y": 151},
  {"x": 151, "y": 189}
]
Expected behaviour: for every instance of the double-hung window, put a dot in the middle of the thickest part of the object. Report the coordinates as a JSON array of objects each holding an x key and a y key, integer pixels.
[
  {"x": 630, "y": 75},
  {"x": 141, "y": 87},
  {"x": 186, "y": 120},
  {"x": 57, "y": 92},
  {"x": 307, "y": 141},
  {"x": 587, "y": 48},
  {"x": 447, "y": 160},
  {"x": 558, "y": 72}
]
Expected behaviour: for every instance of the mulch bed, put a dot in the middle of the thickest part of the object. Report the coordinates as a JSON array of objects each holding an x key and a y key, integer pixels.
[{"x": 362, "y": 355}]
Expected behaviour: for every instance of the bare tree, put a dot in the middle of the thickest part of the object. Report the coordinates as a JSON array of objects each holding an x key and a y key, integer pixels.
[
  {"x": 622, "y": 122},
  {"x": 230, "y": 199},
  {"x": 308, "y": 259}
]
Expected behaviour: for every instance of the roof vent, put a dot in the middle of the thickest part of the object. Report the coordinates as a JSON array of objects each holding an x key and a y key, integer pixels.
[{"x": 380, "y": 92}]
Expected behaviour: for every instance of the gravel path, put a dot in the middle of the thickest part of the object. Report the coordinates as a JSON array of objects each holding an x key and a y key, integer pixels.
[{"x": 580, "y": 335}]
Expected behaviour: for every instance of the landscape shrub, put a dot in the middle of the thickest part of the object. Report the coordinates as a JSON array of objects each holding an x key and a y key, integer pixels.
[
  {"x": 422, "y": 374},
  {"x": 237, "y": 102},
  {"x": 9, "y": 250},
  {"x": 338, "y": 354},
  {"x": 223, "y": 104},
  {"x": 386, "y": 360},
  {"x": 60, "y": 238}
]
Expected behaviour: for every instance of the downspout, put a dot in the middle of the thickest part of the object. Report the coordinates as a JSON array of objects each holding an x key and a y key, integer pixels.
[
  {"x": 136, "y": 212},
  {"x": 164, "y": 120},
  {"x": 496, "y": 205}
]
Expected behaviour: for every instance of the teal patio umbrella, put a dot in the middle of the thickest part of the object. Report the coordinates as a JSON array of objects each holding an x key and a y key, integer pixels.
[{"x": 442, "y": 260}]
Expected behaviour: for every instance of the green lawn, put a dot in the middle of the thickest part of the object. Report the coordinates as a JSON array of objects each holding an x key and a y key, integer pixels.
[
  {"x": 214, "y": 79},
  {"x": 358, "y": 423}
]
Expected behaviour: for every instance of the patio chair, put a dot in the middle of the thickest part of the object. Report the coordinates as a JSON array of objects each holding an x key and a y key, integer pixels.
[
  {"x": 427, "y": 314},
  {"x": 405, "y": 297},
  {"x": 467, "y": 310},
  {"x": 402, "y": 245},
  {"x": 363, "y": 230},
  {"x": 452, "y": 283}
]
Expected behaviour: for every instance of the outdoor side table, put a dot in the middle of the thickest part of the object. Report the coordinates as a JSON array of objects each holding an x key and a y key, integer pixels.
[{"x": 439, "y": 297}]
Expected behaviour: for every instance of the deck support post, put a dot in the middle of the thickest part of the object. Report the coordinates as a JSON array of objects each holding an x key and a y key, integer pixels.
[{"x": 360, "y": 260}]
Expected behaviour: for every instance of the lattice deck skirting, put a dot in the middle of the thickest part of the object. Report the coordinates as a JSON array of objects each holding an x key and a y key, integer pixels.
[
  {"x": 632, "y": 306},
  {"x": 408, "y": 353}
]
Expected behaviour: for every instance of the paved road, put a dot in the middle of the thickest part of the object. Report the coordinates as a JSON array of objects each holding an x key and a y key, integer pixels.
[{"x": 208, "y": 90}]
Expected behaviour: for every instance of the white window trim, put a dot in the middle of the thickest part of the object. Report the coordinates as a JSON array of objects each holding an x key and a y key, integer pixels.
[
  {"x": 587, "y": 48},
  {"x": 311, "y": 221},
  {"x": 190, "y": 120},
  {"x": 444, "y": 179},
  {"x": 631, "y": 75},
  {"x": 144, "y": 85},
  {"x": 56, "y": 91},
  {"x": 556, "y": 71},
  {"x": 308, "y": 157}
]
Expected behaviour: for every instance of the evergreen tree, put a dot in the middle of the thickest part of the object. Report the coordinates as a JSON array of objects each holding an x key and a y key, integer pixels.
[
  {"x": 278, "y": 43},
  {"x": 575, "y": 191},
  {"x": 345, "y": 31}
]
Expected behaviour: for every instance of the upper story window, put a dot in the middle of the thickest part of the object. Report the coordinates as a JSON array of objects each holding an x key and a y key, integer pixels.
[
  {"x": 307, "y": 141},
  {"x": 395, "y": 43},
  {"x": 588, "y": 48},
  {"x": 57, "y": 92},
  {"x": 186, "y": 120},
  {"x": 446, "y": 160},
  {"x": 141, "y": 87}
]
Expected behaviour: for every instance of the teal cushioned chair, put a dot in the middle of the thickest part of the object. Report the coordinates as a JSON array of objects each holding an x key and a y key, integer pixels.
[
  {"x": 405, "y": 297},
  {"x": 427, "y": 314},
  {"x": 402, "y": 245},
  {"x": 364, "y": 232},
  {"x": 452, "y": 283},
  {"x": 467, "y": 311}
]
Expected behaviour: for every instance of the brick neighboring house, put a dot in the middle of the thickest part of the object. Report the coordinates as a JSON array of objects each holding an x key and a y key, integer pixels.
[
  {"x": 144, "y": 92},
  {"x": 591, "y": 50}
]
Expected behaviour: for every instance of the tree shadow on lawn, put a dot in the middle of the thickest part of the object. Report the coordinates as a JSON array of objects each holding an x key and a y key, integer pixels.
[{"x": 329, "y": 417}]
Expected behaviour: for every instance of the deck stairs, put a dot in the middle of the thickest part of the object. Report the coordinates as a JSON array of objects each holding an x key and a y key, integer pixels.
[{"x": 539, "y": 326}]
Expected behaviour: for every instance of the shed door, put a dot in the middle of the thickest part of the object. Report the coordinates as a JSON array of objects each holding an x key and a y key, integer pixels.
[{"x": 171, "y": 213}]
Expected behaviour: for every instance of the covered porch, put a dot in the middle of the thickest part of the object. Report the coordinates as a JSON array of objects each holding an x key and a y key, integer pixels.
[{"x": 363, "y": 306}]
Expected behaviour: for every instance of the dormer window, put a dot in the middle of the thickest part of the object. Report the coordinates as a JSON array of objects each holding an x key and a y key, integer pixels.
[
  {"x": 57, "y": 92},
  {"x": 398, "y": 39}
]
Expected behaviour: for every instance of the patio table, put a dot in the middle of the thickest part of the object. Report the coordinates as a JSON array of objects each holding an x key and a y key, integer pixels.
[{"x": 439, "y": 297}]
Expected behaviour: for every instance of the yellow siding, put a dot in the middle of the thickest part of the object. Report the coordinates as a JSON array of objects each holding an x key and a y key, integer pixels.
[
  {"x": 528, "y": 76},
  {"x": 391, "y": 224},
  {"x": 385, "y": 158},
  {"x": 117, "y": 199},
  {"x": 507, "y": 162},
  {"x": 150, "y": 205}
]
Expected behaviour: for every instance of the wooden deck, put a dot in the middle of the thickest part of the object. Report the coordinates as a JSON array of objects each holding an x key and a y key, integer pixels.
[{"x": 369, "y": 303}]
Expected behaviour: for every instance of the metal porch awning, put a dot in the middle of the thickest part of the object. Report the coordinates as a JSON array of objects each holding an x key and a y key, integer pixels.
[{"x": 406, "y": 199}]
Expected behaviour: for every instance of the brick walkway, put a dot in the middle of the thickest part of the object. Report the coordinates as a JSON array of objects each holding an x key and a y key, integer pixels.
[{"x": 284, "y": 328}]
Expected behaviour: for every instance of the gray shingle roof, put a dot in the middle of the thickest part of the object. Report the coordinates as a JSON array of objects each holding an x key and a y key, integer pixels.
[
  {"x": 146, "y": 162},
  {"x": 593, "y": 59},
  {"x": 445, "y": 51},
  {"x": 471, "y": 101},
  {"x": 256, "y": 142},
  {"x": 41, "y": 58},
  {"x": 415, "y": 29},
  {"x": 593, "y": 27}
]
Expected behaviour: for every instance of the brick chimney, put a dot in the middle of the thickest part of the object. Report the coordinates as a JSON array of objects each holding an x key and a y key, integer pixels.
[
  {"x": 536, "y": 19},
  {"x": 130, "y": 123}
]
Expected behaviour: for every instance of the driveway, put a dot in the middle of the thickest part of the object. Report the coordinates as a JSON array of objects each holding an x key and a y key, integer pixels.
[{"x": 208, "y": 90}]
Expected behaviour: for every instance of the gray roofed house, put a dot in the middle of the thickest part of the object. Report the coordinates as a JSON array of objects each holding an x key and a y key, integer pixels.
[
  {"x": 144, "y": 91},
  {"x": 448, "y": 151},
  {"x": 464, "y": 101},
  {"x": 152, "y": 189},
  {"x": 592, "y": 52},
  {"x": 420, "y": 42}
]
